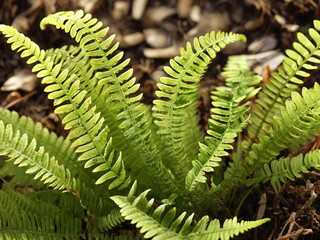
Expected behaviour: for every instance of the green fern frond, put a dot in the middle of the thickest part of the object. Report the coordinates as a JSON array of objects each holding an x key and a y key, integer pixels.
[
  {"x": 86, "y": 125},
  {"x": 295, "y": 68},
  {"x": 46, "y": 169},
  {"x": 23, "y": 153},
  {"x": 279, "y": 171},
  {"x": 53, "y": 145},
  {"x": 176, "y": 110},
  {"x": 134, "y": 118},
  {"x": 227, "y": 118},
  {"x": 113, "y": 219},
  {"x": 89, "y": 193},
  {"x": 61, "y": 200},
  {"x": 22, "y": 219},
  {"x": 161, "y": 223},
  {"x": 77, "y": 62},
  {"x": 299, "y": 115}
]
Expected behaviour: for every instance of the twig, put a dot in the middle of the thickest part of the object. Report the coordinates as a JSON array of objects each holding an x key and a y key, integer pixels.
[{"x": 14, "y": 102}]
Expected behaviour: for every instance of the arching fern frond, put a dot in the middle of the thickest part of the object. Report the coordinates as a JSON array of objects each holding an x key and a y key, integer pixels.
[
  {"x": 134, "y": 118},
  {"x": 89, "y": 193},
  {"x": 77, "y": 62},
  {"x": 300, "y": 114},
  {"x": 46, "y": 169},
  {"x": 113, "y": 219},
  {"x": 176, "y": 110},
  {"x": 227, "y": 118},
  {"x": 23, "y": 153},
  {"x": 161, "y": 223},
  {"x": 79, "y": 116},
  {"x": 53, "y": 145},
  {"x": 279, "y": 171},
  {"x": 22, "y": 219},
  {"x": 295, "y": 67}
]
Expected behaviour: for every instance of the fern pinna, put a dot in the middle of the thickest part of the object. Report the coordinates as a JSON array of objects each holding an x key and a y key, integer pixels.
[{"x": 125, "y": 142}]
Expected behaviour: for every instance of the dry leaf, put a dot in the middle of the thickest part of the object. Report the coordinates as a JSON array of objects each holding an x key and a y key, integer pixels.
[{"x": 21, "y": 80}]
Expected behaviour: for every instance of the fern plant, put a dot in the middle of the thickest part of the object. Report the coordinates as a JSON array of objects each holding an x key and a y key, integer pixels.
[{"x": 119, "y": 149}]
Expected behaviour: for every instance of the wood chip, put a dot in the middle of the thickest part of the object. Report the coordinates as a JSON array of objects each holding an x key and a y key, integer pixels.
[
  {"x": 260, "y": 60},
  {"x": 157, "y": 38},
  {"x": 279, "y": 19},
  {"x": 216, "y": 21},
  {"x": 158, "y": 14},
  {"x": 157, "y": 74},
  {"x": 21, "y": 80},
  {"x": 195, "y": 13},
  {"x": 262, "y": 206},
  {"x": 184, "y": 8},
  {"x": 90, "y": 5},
  {"x": 168, "y": 52},
  {"x": 131, "y": 40},
  {"x": 291, "y": 27},
  {"x": 21, "y": 23},
  {"x": 138, "y": 8},
  {"x": 120, "y": 9},
  {"x": 264, "y": 44}
]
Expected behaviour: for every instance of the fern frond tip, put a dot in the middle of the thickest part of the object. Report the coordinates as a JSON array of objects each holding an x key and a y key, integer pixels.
[{"x": 243, "y": 38}]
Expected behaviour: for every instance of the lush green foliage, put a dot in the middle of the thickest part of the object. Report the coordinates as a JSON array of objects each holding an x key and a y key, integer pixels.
[{"x": 162, "y": 148}]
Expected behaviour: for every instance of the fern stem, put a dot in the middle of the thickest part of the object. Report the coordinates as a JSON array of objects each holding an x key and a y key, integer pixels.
[{"x": 236, "y": 213}]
